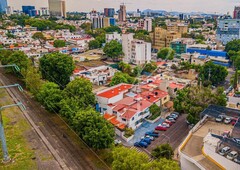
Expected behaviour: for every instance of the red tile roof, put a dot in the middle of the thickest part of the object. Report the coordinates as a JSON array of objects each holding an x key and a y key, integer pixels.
[
  {"x": 175, "y": 85},
  {"x": 129, "y": 114},
  {"x": 154, "y": 96},
  {"x": 113, "y": 120},
  {"x": 160, "y": 63},
  {"x": 115, "y": 91}
]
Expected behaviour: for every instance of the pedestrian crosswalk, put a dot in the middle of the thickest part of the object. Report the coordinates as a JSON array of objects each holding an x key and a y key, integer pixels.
[{"x": 141, "y": 151}]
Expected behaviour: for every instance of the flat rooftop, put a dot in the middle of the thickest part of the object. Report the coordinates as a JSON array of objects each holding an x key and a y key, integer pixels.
[{"x": 193, "y": 147}]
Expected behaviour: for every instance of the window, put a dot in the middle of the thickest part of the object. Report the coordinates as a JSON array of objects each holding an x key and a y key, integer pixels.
[
  {"x": 123, "y": 119},
  {"x": 133, "y": 119},
  {"x": 165, "y": 98}
]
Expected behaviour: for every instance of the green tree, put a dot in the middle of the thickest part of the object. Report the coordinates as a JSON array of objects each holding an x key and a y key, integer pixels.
[
  {"x": 235, "y": 81},
  {"x": 142, "y": 36},
  {"x": 154, "y": 109},
  {"x": 124, "y": 67},
  {"x": 113, "y": 49},
  {"x": 57, "y": 68},
  {"x": 126, "y": 159},
  {"x": 237, "y": 62},
  {"x": 59, "y": 43},
  {"x": 4, "y": 55},
  {"x": 20, "y": 59},
  {"x": 76, "y": 96},
  {"x": 193, "y": 100},
  {"x": 33, "y": 80},
  {"x": 150, "y": 67},
  {"x": 112, "y": 29},
  {"x": 233, "y": 45},
  {"x": 163, "y": 151},
  {"x": 86, "y": 26},
  {"x": 93, "y": 129},
  {"x": 217, "y": 73},
  {"x": 121, "y": 78},
  {"x": 10, "y": 35},
  {"x": 39, "y": 36},
  {"x": 162, "y": 164},
  {"x": 166, "y": 54},
  {"x": 137, "y": 71},
  {"x": 50, "y": 96},
  {"x": 94, "y": 44}
]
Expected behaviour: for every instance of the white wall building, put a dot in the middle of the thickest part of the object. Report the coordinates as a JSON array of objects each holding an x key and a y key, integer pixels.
[
  {"x": 145, "y": 24},
  {"x": 113, "y": 36},
  {"x": 135, "y": 51}
]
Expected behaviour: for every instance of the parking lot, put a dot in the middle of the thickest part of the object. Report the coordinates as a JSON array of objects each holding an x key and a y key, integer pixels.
[{"x": 145, "y": 127}]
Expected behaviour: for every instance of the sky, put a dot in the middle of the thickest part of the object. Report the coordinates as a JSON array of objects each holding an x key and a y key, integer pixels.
[{"x": 208, "y": 6}]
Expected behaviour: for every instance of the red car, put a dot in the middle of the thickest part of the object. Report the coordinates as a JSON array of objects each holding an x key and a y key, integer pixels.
[
  {"x": 168, "y": 122},
  {"x": 160, "y": 128},
  {"x": 234, "y": 120}
]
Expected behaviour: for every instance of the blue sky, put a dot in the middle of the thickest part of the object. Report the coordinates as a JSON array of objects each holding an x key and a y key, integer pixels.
[{"x": 219, "y": 6}]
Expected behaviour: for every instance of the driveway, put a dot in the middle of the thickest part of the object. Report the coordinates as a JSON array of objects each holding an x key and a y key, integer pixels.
[{"x": 145, "y": 127}]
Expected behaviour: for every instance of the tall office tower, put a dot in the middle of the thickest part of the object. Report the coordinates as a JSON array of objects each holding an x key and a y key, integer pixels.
[
  {"x": 122, "y": 13},
  {"x": 236, "y": 12},
  {"x": 109, "y": 12},
  {"x": 3, "y": 6},
  {"x": 29, "y": 10},
  {"x": 57, "y": 8}
]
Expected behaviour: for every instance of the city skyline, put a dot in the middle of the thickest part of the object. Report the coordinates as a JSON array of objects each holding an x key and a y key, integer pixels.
[{"x": 218, "y": 6}]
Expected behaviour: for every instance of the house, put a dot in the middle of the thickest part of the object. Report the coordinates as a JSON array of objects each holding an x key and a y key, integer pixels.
[{"x": 111, "y": 95}]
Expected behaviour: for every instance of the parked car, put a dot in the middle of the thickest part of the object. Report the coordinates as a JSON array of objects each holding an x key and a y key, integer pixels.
[
  {"x": 151, "y": 134},
  {"x": 219, "y": 118},
  {"x": 168, "y": 122},
  {"x": 232, "y": 155},
  {"x": 147, "y": 140},
  {"x": 227, "y": 120},
  {"x": 237, "y": 160},
  {"x": 224, "y": 151},
  {"x": 171, "y": 119},
  {"x": 150, "y": 137},
  {"x": 152, "y": 131},
  {"x": 237, "y": 140},
  {"x": 141, "y": 144},
  {"x": 164, "y": 125},
  {"x": 175, "y": 115},
  {"x": 160, "y": 128},
  {"x": 234, "y": 121}
]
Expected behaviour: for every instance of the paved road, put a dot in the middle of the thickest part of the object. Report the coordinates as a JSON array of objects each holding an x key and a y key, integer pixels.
[
  {"x": 174, "y": 135},
  {"x": 75, "y": 156}
]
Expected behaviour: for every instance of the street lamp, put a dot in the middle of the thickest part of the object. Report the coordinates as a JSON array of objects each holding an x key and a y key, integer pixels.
[{"x": 6, "y": 157}]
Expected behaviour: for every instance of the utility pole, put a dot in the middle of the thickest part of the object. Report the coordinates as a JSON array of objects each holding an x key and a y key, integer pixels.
[
  {"x": 6, "y": 157},
  {"x": 209, "y": 74}
]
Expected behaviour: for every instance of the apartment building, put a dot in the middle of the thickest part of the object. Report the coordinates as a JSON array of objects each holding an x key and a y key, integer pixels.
[
  {"x": 162, "y": 38},
  {"x": 177, "y": 27},
  {"x": 57, "y": 8},
  {"x": 114, "y": 36},
  {"x": 145, "y": 24},
  {"x": 135, "y": 51}
]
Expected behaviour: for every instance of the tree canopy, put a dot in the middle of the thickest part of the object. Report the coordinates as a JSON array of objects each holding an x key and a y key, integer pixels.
[
  {"x": 59, "y": 43},
  {"x": 166, "y": 54},
  {"x": 93, "y": 129},
  {"x": 163, "y": 151},
  {"x": 125, "y": 159},
  {"x": 233, "y": 45},
  {"x": 77, "y": 95},
  {"x": 217, "y": 73},
  {"x": 150, "y": 67},
  {"x": 193, "y": 100},
  {"x": 94, "y": 44},
  {"x": 122, "y": 78},
  {"x": 113, "y": 49},
  {"x": 49, "y": 96},
  {"x": 57, "y": 68}
]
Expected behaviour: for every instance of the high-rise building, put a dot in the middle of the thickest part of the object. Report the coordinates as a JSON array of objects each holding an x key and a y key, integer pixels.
[
  {"x": 109, "y": 12},
  {"x": 179, "y": 27},
  {"x": 43, "y": 11},
  {"x": 3, "y": 6},
  {"x": 57, "y": 8},
  {"x": 236, "y": 12},
  {"x": 145, "y": 24},
  {"x": 29, "y": 10},
  {"x": 228, "y": 29},
  {"x": 122, "y": 13}
]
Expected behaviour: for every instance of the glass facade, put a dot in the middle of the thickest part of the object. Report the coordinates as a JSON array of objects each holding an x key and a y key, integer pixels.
[{"x": 3, "y": 6}]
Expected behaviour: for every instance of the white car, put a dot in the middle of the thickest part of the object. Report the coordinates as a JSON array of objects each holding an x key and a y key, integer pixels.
[
  {"x": 166, "y": 124},
  {"x": 232, "y": 155},
  {"x": 224, "y": 151},
  {"x": 150, "y": 137},
  {"x": 227, "y": 120},
  {"x": 117, "y": 142}
]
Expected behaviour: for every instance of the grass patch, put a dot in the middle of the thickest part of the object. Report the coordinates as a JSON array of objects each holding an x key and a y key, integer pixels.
[{"x": 15, "y": 126}]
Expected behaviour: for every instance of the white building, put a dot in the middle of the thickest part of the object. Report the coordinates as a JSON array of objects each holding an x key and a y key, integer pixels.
[
  {"x": 113, "y": 36},
  {"x": 145, "y": 24},
  {"x": 135, "y": 51}
]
